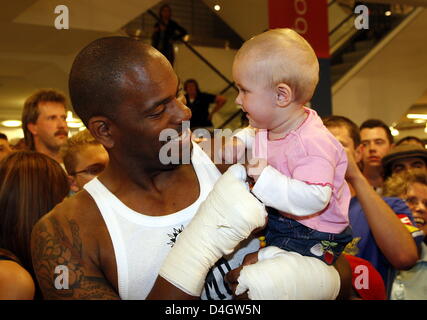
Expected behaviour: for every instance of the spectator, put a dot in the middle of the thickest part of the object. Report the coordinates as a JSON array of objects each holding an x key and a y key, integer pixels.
[
  {"x": 199, "y": 103},
  {"x": 379, "y": 236},
  {"x": 31, "y": 185},
  {"x": 377, "y": 141},
  {"x": 411, "y": 186},
  {"x": 403, "y": 158},
  {"x": 84, "y": 159},
  {"x": 5, "y": 148},
  {"x": 166, "y": 31},
  {"x": 43, "y": 123},
  {"x": 410, "y": 140}
]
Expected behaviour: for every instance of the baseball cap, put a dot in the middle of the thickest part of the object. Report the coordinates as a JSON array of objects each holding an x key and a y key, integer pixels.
[
  {"x": 400, "y": 152},
  {"x": 365, "y": 279}
]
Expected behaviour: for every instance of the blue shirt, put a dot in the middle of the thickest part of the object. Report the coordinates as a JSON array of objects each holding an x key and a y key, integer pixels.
[{"x": 364, "y": 245}]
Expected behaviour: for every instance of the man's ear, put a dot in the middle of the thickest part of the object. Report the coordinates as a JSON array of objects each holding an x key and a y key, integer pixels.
[
  {"x": 32, "y": 127},
  {"x": 73, "y": 184},
  {"x": 284, "y": 95},
  {"x": 100, "y": 128}
]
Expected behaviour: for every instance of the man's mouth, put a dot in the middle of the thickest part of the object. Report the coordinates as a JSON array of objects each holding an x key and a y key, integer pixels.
[
  {"x": 183, "y": 135},
  {"x": 61, "y": 134},
  {"x": 419, "y": 221},
  {"x": 374, "y": 159}
]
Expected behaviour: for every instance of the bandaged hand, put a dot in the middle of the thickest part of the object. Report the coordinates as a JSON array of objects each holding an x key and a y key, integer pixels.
[
  {"x": 284, "y": 275},
  {"x": 228, "y": 215},
  {"x": 233, "y": 150}
]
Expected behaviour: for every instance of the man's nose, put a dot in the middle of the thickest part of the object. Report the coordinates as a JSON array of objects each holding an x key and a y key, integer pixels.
[
  {"x": 183, "y": 112},
  {"x": 420, "y": 207},
  {"x": 62, "y": 123}
]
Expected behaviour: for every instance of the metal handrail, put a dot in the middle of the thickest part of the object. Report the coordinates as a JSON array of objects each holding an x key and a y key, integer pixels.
[
  {"x": 230, "y": 84},
  {"x": 190, "y": 47},
  {"x": 341, "y": 24}
]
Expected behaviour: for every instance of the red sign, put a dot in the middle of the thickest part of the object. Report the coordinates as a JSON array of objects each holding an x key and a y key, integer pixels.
[{"x": 308, "y": 17}]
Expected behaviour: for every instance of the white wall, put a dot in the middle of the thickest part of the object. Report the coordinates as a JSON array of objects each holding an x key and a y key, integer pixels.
[{"x": 389, "y": 81}]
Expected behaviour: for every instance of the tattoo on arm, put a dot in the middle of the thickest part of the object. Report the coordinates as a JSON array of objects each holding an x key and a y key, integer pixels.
[{"x": 50, "y": 248}]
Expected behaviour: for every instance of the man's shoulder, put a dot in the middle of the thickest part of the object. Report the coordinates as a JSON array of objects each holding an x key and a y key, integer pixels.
[
  {"x": 397, "y": 205},
  {"x": 79, "y": 210}
]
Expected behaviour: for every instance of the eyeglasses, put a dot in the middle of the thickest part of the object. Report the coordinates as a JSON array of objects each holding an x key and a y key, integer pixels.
[
  {"x": 414, "y": 201},
  {"x": 92, "y": 170}
]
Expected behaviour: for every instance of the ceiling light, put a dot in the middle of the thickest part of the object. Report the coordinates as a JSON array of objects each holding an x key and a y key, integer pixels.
[
  {"x": 416, "y": 116},
  {"x": 69, "y": 116},
  {"x": 11, "y": 123},
  {"x": 217, "y": 7},
  {"x": 388, "y": 13},
  {"x": 75, "y": 124},
  {"x": 394, "y": 132}
]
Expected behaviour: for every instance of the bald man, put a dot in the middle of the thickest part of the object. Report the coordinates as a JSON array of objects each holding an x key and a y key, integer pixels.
[{"x": 113, "y": 236}]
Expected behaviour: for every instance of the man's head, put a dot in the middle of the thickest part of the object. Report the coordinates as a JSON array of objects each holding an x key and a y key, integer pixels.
[
  {"x": 126, "y": 93},
  {"x": 411, "y": 186},
  {"x": 43, "y": 120},
  {"x": 5, "y": 148},
  {"x": 403, "y": 158},
  {"x": 84, "y": 159},
  {"x": 274, "y": 70},
  {"x": 376, "y": 140},
  {"x": 345, "y": 130},
  {"x": 191, "y": 87}
]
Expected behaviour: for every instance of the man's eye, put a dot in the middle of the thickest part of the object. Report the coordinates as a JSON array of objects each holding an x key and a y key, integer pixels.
[{"x": 157, "y": 113}]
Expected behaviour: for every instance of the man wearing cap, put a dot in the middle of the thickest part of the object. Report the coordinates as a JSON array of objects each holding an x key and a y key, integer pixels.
[{"x": 403, "y": 158}]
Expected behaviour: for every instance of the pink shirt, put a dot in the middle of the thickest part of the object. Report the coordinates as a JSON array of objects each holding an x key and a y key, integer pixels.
[{"x": 310, "y": 153}]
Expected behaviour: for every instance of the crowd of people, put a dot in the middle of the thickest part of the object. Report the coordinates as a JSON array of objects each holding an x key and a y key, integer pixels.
[{"x": 321, "y": 207}]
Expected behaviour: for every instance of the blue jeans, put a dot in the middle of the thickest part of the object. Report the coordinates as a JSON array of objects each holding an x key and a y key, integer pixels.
[{"x": 290, "y": 235}]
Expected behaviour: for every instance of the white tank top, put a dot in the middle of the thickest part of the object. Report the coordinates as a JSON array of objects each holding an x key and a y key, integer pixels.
[{"x": 142, "y": 242}]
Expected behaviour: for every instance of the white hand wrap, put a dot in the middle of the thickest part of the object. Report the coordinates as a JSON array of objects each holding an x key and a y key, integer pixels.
[
  {"x": 227, "y": 216},
  {"x": 283, "y": 275}
]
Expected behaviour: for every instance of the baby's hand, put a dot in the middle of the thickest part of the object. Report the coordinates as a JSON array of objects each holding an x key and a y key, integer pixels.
[
  {"x": 233, "y": 150},
  {"x": 255, "y": 167}
]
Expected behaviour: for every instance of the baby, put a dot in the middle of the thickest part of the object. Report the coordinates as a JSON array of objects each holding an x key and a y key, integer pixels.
[{"x": 300, "y": 166}]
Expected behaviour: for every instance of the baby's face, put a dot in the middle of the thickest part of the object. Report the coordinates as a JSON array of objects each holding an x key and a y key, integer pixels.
[{"x": 256, "y": 99}]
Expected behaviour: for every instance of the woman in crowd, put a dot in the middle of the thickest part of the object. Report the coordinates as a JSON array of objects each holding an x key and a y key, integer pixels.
[{"x": 31, "y": 184}]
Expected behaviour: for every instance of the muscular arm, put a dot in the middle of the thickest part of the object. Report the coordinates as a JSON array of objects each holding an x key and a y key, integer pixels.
[
  {"x": 58, "y": 243},
  {"x": 391, "y": 236}
]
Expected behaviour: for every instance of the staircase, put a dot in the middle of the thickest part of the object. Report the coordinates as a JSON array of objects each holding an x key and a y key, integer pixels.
[
  {"x": 361, "y": 42},
  {"x": 348, "y": 58}
]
